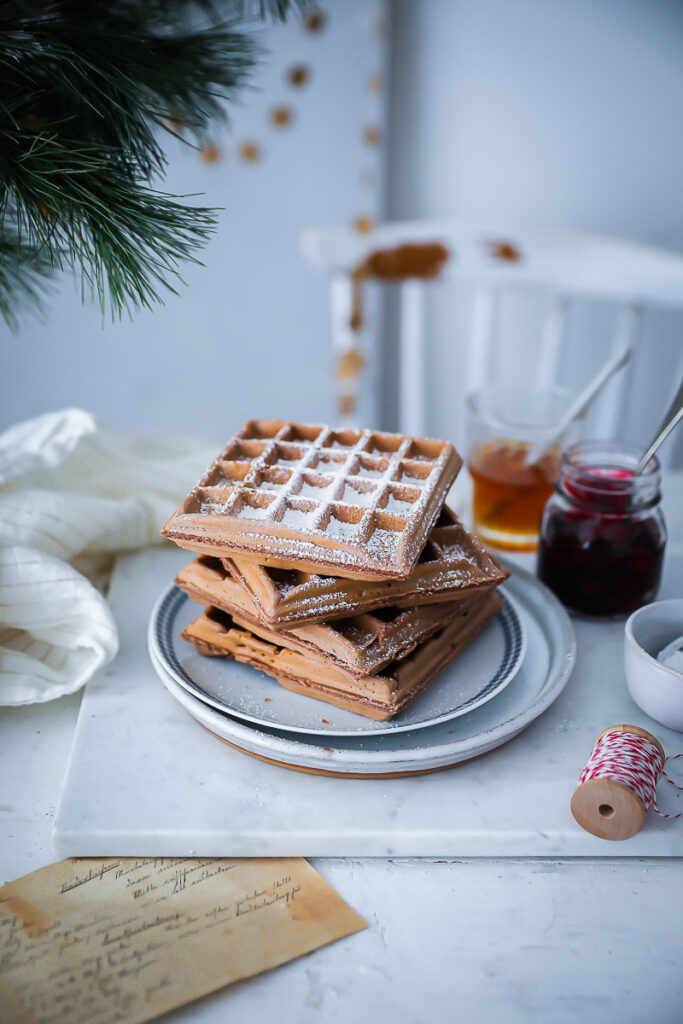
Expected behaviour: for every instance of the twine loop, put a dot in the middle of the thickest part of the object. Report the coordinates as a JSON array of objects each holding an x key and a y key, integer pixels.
[{"x": 633, "y": 760}]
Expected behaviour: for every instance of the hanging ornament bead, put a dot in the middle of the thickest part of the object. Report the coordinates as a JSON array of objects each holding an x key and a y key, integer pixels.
[
  {"x": 281, "y": 116},
  {"x": 314, "y": 21},
  {"x": 298, "y": 75},
  {"x": 363, "y": 225},
  {"x": 250, "y": 152},
  {"x": 350, "y": 363},
  {"x": 211, "y": 153}
]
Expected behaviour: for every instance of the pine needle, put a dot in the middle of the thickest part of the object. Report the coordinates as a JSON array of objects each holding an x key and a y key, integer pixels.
[{"x": 84, "y": 93}]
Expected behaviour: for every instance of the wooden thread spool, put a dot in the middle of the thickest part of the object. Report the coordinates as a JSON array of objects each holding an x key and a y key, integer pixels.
[{"x": 607, "y": 808}]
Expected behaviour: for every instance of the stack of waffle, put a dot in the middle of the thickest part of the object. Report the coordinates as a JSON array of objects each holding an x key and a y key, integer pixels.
[{"x": 328, "y": 560}]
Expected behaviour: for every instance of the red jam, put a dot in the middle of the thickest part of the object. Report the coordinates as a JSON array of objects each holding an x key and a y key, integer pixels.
[{"x": 603, "y": 535}]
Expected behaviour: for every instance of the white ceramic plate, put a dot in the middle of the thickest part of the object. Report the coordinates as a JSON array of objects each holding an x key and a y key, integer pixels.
[
  {"x": 482, "y": 670},
  {"x": 547, "y": 665}
]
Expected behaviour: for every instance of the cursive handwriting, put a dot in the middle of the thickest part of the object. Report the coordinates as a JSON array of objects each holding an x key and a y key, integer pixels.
[{"x": 101, "y": 941}]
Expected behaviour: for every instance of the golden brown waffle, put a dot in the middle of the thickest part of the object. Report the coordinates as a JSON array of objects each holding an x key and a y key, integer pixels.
[
  {"x": 362, "y": 644},
  {"x": 452, "y": 565},
  {"x": 355, "y": 503},
  {"x": 377, "y": 696}
]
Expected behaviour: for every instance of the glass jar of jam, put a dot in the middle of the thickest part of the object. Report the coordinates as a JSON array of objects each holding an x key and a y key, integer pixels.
[{"x": 603, "y": 534}]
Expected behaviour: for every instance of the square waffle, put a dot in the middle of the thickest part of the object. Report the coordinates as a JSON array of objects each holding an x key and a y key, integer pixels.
[
  {"x": 361, "y": 644},
  {"x": 353, "y": 503},
  {"x": 375, "y": 696},
  {"x": 452, "y": 565}
]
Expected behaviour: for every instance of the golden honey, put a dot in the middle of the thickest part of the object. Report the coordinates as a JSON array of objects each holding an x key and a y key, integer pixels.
[{"x": 509, "y": 494}]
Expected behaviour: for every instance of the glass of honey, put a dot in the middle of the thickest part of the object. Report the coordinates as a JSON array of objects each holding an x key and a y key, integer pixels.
[{"x": 505, "y": 428}]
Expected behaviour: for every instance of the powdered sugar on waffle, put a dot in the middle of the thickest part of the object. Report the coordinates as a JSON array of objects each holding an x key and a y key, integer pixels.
[
  {"x": 452, "y": 565},
  {"x": 298, "y": 493}
]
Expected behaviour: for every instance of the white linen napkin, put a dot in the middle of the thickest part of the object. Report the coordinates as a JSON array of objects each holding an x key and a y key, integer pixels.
[{"x": 72, "y": 495}]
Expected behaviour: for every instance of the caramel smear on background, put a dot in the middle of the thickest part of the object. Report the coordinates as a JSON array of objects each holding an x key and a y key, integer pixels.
[
  {"x": 505, "y": 251},
  {"x": 417, "y": 260}
]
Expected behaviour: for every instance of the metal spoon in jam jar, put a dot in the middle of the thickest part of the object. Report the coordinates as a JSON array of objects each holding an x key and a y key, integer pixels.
[{"x": 672, "y": 418}]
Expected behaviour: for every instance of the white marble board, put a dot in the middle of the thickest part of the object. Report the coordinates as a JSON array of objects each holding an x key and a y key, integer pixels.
[{"x": 145, "y": 779}]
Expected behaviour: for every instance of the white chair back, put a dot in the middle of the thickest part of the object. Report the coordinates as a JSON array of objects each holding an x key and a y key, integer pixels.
[{"x": 562, "y": 268}]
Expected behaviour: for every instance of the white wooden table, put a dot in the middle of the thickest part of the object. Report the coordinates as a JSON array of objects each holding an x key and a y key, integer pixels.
[{"x": 577, "y": 940}]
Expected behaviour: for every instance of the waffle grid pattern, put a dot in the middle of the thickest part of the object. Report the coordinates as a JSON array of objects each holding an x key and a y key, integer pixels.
[{"x": 364, "y": 492}]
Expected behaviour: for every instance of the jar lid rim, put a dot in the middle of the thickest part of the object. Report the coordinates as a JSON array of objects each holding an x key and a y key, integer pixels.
[{"x": 592, "y": 458}]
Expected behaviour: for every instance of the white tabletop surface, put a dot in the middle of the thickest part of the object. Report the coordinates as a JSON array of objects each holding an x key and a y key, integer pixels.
[
  {"x": 515, "y": 803},
  {"x": 473, "y": 940}
]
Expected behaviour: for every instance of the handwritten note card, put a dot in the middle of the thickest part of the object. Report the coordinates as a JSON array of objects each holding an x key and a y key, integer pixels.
[{"x": 98, "y": 941}]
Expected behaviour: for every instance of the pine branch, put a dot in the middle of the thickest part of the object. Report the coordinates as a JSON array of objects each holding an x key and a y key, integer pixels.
[
  {"x": 83, "y": 93},
  {"x": 23, "y": 278},
  {"x": 118, "y": 95},
  {"x": 126, "y": 238}
]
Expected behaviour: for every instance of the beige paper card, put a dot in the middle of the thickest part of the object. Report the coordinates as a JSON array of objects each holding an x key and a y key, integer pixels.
[{"x": 89, "y": 941}]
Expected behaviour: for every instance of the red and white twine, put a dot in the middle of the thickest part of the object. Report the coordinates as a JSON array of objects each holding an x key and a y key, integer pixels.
[{"x": 633, "y": 760}]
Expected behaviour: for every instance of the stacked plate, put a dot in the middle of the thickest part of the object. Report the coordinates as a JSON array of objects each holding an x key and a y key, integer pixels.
[{"x": 504, "y": 679}]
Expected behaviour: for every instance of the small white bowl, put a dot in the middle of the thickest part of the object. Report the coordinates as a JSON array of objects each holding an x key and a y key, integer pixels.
[{"x": 656, "y": 688}]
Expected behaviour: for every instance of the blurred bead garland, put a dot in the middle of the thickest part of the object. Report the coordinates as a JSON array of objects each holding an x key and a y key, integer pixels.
[{"x": 282, "y": 115}]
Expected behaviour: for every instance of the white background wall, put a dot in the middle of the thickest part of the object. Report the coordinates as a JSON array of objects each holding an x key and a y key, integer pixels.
[
  {"x": 566, "y": 112},
  {"x": 546, "y": 112},
  {"x": 562, "y": 112},
  {"x": 249, "y": 335}
]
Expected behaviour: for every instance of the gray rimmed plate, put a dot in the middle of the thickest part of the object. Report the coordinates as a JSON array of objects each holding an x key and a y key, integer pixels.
[
  {"x": 547, "y": 665},
  {"x": 480, "y": 672}
]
